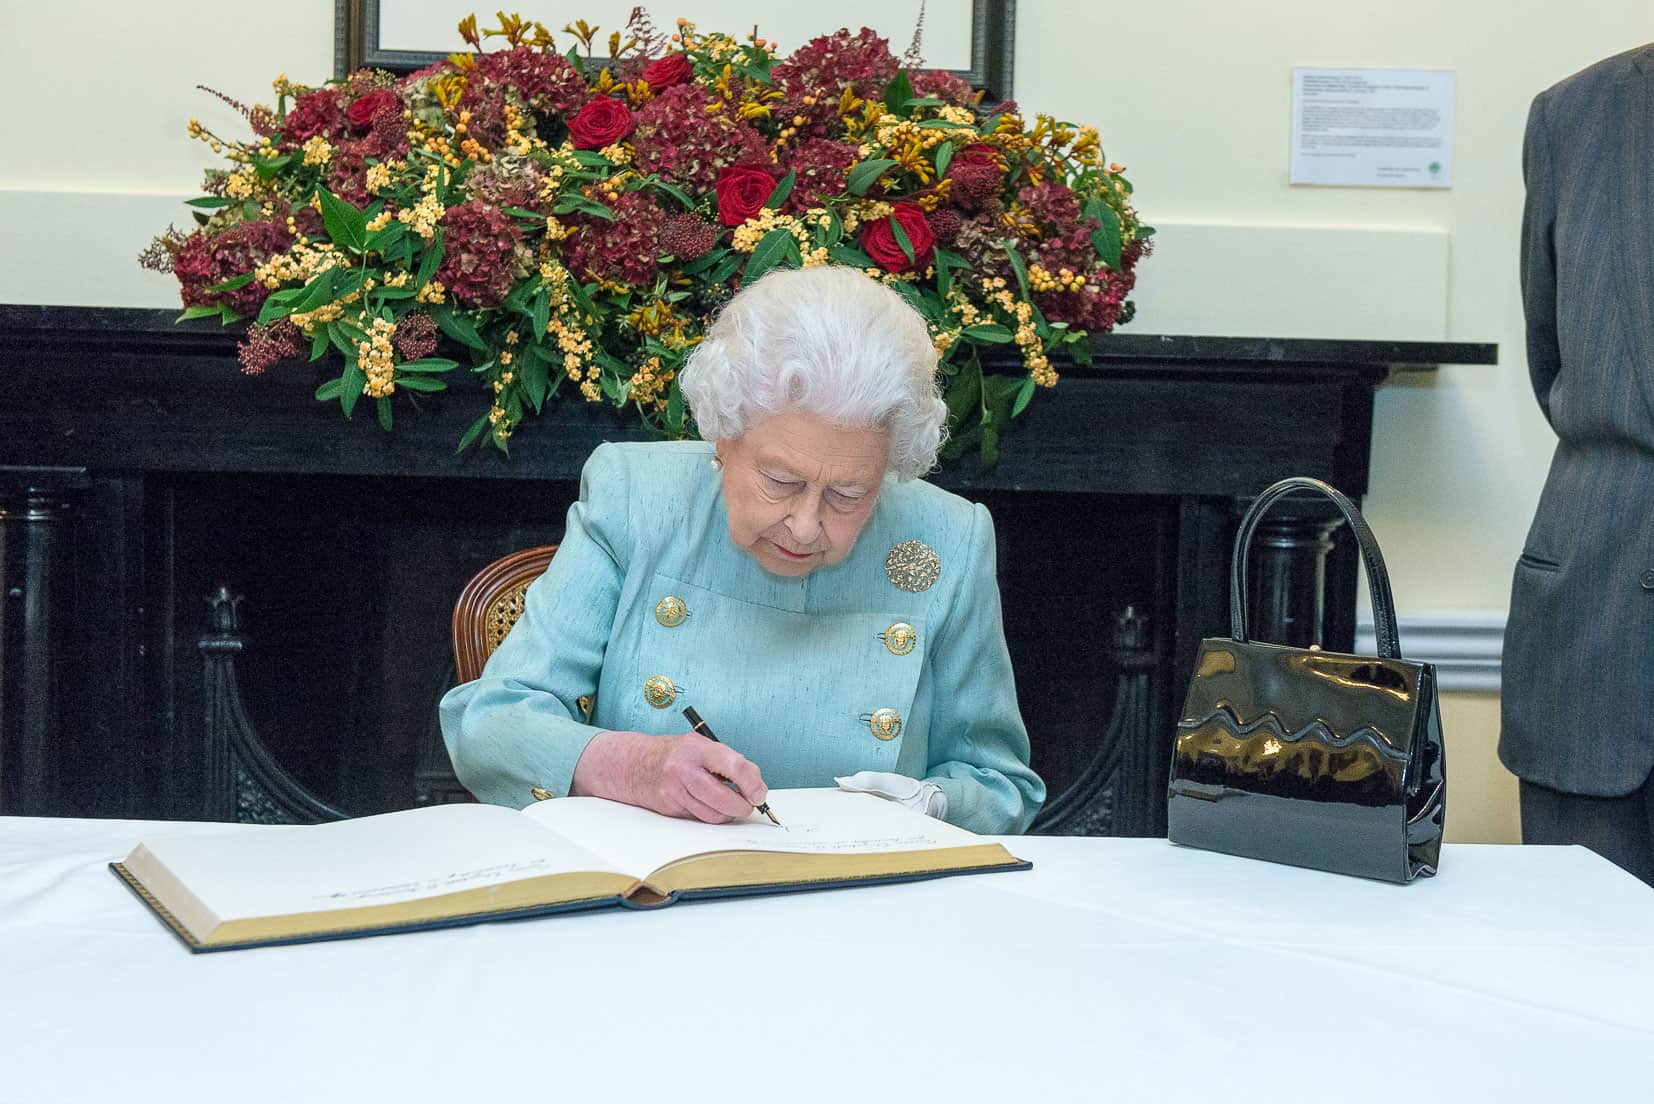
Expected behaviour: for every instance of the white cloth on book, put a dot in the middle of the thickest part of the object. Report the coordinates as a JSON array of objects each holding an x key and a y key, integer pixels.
[{"x": 922, "y": 797}]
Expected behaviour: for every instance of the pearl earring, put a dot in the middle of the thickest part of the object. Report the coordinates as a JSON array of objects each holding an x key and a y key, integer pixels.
[{"x": 716, "y": 463}]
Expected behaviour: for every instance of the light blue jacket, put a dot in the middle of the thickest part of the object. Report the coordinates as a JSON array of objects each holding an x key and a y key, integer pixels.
[{"x": 788, "y": 672}]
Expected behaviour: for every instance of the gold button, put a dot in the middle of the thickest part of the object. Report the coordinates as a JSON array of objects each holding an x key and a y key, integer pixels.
[
  {"x": 670, "y": 611},
  {"x": 659, "y": 691},
  {"x": 886, "y": 724},
  {"x": 586, "y": 703},
  {"x": 900, "y": 638},
  {"x": 542, "y": 795}
]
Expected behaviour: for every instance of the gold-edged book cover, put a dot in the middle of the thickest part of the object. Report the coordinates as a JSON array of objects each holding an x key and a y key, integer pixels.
[{"x": 455, "y": 865}]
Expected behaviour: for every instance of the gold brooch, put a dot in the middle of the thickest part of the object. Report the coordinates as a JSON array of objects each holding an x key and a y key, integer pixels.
[{"x": 913, "y": 566}]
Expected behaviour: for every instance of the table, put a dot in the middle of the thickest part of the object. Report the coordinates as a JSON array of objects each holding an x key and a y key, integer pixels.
[{"x": 1117, "y": 969}]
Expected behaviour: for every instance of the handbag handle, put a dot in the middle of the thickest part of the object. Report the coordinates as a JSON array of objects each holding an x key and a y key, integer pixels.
[{"x": 1378, "y": 579}]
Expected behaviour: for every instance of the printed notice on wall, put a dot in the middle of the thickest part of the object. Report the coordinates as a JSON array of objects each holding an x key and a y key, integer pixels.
[{"x": 1373, "y": 127}]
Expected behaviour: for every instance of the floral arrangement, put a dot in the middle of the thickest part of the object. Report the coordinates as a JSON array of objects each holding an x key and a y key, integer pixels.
[{"x": 554, "y": 222}]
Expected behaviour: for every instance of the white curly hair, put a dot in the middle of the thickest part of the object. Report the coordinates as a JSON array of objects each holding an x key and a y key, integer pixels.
[{"x": 829, "y": 341}]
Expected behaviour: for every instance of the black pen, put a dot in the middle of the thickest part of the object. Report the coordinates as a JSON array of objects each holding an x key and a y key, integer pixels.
[{"x": 705, "y": 729}]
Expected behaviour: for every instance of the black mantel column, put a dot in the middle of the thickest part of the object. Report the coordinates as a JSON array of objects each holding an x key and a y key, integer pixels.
[
  {"x": 1287, "y": 573},
  {"x": 36, "y": 515}
]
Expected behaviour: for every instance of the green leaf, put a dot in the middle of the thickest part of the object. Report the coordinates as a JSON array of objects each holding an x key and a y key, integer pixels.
[
  {"x": 944, "y": 158},
  {"x": 279, "y": 305},
  {"x": 707, "y": 260},
  {"x": 902, "y": 241},
  {"x": 676, "y": 193},
  {"x": 1025, "y": 393},
  {"x": 458, "y": 327},
  {"x": 534, "y": 375},
  {"x": 771, "y": 249},
  {"x": 752, "y": 72},
  {"x": 897, "y": 94},
  {"x": 1080, "y": 350},
  {"x": 346, "y": 226},
  {"x": 329, "y": 391},
  {"x": 472, "y": 434},
  {"x": 209, "y": 203},
  {"x": 429, "y": 364},
  {"x": 355, "y": 379},
  {"x": 940, "y": 124},
  {"x": 420, "y": 383},
  {"x": 1144, "y": 233},
  {"x": 524, "y": 213},
  {"x": 576, "y": 202},
  {"x": 226, "y": 314},
  {"x": 946, "y": 262},
  {"x": 726, "y": 267},
  {"x": 1017, "y": 267},
  {"x": 200, "y": 310},
  {"x": 988, "y": 333},
  {"x": 429, "y": 262},
  {"x": 591, "y": 159},
  {"x": 850, "y": 255},
  {"x": 1106, "y": 238},
  {"x": 250, "y": 210},
  {"x": 924, "y": 101},
  {"x": 385, "y": 237},
  {"x": 782, "y": 191},
  {"x": 965, "y": 396},
  {"x": 674, "y": 409},
  {"x": 385, "y": 413},
  {"x": 542, "y": 312},
  {"x": 863, "y": 175},
  {"x": 318, "y": 343}
]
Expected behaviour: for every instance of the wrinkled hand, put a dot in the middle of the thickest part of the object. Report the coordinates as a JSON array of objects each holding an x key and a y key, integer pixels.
[{"x": 680, "y": 776}]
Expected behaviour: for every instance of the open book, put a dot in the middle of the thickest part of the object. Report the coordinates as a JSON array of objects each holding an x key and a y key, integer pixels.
[{"x": 464, "y": 864}]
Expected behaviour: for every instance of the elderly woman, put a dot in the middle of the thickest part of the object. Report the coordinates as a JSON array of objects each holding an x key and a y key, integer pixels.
[{"x": 825, "y": 612}]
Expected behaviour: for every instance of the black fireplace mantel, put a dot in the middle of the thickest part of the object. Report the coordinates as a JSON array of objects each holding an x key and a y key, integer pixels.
[{"x": 140, "y": 470}]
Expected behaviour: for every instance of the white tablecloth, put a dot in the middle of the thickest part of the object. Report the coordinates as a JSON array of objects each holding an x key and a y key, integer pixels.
[{"x": 1115, "y": 970}]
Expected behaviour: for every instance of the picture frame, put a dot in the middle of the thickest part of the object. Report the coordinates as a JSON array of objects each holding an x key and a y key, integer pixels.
[{"x": 977, "y": 36}]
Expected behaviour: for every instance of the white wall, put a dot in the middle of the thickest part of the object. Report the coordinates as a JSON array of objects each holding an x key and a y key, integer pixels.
[{"x": 1193, "y": 97}]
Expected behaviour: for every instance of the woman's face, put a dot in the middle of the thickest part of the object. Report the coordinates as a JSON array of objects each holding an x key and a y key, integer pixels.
[{"x": 799, "y": 489}]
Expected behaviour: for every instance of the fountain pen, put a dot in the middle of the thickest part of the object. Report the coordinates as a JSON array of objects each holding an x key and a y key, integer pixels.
[{"x": 705, "y": 729}]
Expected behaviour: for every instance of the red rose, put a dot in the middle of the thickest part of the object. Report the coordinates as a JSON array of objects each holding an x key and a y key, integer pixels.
[
  {"x": 742, "y": 190},
  {"x": 667, "y": 71},
  {"x": 879, "y": 240},
  {"x": 603, "y": 122},
  {"x": 371, "y": 106},
  {"x": 978, "y": 153}
]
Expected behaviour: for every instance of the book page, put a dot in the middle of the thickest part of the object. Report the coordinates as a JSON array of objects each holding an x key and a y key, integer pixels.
[
  {"x": 376, "y": 860},
  {"x": 814, "y": 821}
]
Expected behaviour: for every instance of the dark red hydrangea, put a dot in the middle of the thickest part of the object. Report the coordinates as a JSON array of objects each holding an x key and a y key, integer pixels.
[
  {"x": 207, "y": 259},
  {"x": 821, "y": 69},
  {"x": 347, "y": 176},
  {"x": 507, "y": 182},
  {"x": 387, "y": 140},
  {"x": 944, "y": 225},
  {"x": 942, "y": 85},
  {"x": 678, "y": 139},
  {"x": 318, "y": 112},
  {"x": 485, "y": 100},
  {"x": 823, "y": 166},
  {"x": 1052, "y": 205},
  {"x": 1100, "y": 310},
  {"x": 545, "y": 82},
  {"x": 415, "y": 337},
  {"x": 623, "y": 250},
  {"x": 268, "y": 345},
  {"x": 688, "y": 236},
  {"x": 480, "y": 243}
]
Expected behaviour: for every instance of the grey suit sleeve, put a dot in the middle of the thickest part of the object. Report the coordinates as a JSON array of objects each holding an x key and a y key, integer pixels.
[{"x": 1539, "y": 255}]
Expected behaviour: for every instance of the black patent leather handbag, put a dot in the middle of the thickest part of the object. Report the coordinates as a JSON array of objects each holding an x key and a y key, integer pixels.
[{"x": 1308, "y": 757}]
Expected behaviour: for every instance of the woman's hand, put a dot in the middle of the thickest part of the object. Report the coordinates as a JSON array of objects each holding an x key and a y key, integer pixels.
[{"x": 682, "y": 776}]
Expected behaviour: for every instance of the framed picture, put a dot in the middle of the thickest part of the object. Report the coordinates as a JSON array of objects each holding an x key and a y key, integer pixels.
[{"x": 972, "y": 39}]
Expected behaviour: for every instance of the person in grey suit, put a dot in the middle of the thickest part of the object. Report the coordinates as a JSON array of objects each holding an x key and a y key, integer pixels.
[{"x": 1578, "y": 699}]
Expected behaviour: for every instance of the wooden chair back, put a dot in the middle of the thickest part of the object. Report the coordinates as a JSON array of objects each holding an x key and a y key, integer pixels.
[{"x": 491, "y": 603}]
